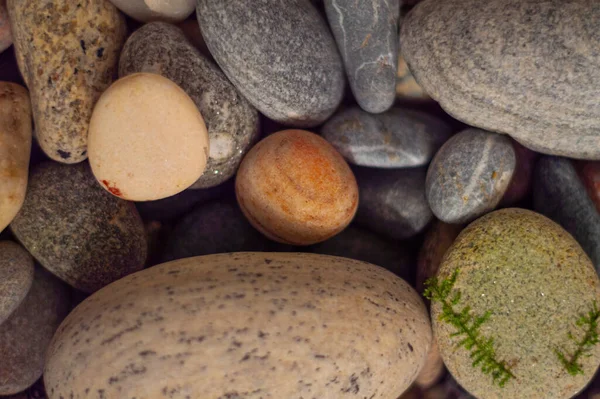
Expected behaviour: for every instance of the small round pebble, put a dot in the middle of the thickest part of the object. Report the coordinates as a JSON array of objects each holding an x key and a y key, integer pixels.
[
  {"x": 295, "y": 188},
  {"x": 147, "y": 139},
  {"x": 16, "y": 276},
  {"x": 156, "y": 10}
]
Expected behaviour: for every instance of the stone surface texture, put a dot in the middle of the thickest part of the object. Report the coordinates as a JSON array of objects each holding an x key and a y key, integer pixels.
[{"x": 16, "y": 276}]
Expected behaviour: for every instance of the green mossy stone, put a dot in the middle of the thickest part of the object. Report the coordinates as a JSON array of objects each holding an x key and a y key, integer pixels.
[{"x": 536, "y": 281}]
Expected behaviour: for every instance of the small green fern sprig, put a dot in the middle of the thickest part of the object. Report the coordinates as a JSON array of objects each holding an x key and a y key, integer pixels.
[
  {"x": 481, "y": 348},
  {"x": 583, "y": 346}
]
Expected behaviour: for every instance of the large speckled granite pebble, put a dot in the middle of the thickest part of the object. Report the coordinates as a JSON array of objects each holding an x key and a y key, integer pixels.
[
  {"x": 469, "y": 175},
  {"x": 392, "y": 202},
  {"x": 526, "y": 68},
  {"x": 536, "y": 282},
  {"x": 366, "y": 33},
  {"x": 279, "y": 54},
  {"x": 77, "y": 230},
  {"x": 16, "y": 276},
  {"x": 559, "y": 194},
  {"x": 67, "y": 52},
  {"x": 156, "y": 10},
  {"x": 26, "y": 335},
  {"x": 397, "y": 138},
  {"x": 231, "y": 121}
]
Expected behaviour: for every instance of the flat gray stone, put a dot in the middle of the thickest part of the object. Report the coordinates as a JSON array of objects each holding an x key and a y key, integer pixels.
[
  {"x": 279, "y": 54},
  {"x": 366, "y": 33},
  {"x": 527, "y": 68},
  {"x": 397, "y": 138},
  {"x": 16, "y": 276},
  {"x": 559, "y": 193},
  {"x": 231, "y": 121},
  {"x": 392, "y": 201},
  {"x": 469, "y": 175}
]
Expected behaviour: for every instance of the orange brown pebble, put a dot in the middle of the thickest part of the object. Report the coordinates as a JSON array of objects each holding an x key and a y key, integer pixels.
[{"x": 295, "y": 188}]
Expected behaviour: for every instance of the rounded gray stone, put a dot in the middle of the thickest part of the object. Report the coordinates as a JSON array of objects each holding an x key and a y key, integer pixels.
[
  {"x": 469, "y": 175},
  {"x": 366, "y": 33},
  {"x": 398, "y": 138},
  {"x": 527, "y": 68},
  {"x": 16, "y": 276},
  {"x": 77, "y": 230},
  {"x": 232, "y": 123},
  {"x": 279, "y": 54},
  {"x": 392, "y": 202}
]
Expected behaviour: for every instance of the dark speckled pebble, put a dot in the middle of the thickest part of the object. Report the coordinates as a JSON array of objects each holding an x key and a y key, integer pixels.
[
  {"x": 279, "y": 54},
  {"x": 77, "y": 230},
  {"x": 16, "y": 276}
]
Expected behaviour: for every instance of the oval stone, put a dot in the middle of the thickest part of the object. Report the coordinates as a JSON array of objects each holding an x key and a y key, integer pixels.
[
  {"x": 156, "y": 10},
  {"x": 279, "y": 54},
  {"x": 16, "y": 276}
]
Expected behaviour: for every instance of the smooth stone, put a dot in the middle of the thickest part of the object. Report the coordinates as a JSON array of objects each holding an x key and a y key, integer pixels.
[
  {"x": 156, "y": 10},
  {"x": 359, "y": 244},
  {"x": 6, "y": 38},
  {"x": 147, "y": 139},
  {"x": 279, "y": 54},
  {"x": 77, "y": 230},
  {"x": 15, "y": 149},
  {"x": 589, "y": 172},
  {"x": 25, "y": 335},
  {"x": 535, "y": 282},
  {"x": 392, "y": 202},
  {"x": 366, "y": 33},
  {"x": 526, "y": 68},
  {"x": 433, "y": 370},
  {"x": 407, "y": 87},
  {"x": 559, "y": 194},
  {"x": 68, "y": 56},
  {"x": 469, "y": 175},
  {"x": 520, "y": 184},
  {"x": 232, "y": 123},
  {"x": 16, "y": 276},
  {"x": 398, "y": 138}
]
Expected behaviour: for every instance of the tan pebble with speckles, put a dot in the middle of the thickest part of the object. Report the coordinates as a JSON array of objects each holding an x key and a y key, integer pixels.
[
  {"x": 536, "y": 282},
  {"x": 285, "y": 325},
  {"x": 296, "y": 188},
  {"x": 144, "y": 139},
  {"x": 67, "y": 52}
]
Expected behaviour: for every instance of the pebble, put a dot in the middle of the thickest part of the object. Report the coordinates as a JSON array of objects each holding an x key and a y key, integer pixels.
[
  {"x": 16, "y": 276},
  {"x": 407, "y": 87},
  {"x": 559, "y": 194},
  {"x": 529, "y": 69},
  {"x": 279, "y": 54},
  {"x": 520, "y": 185},
  {"x": 398, "y": 138},
  {"x": 26, "y": 335},
  {"x": 392, "y": 202},
  {"x": 6, "y": 38},
  {"x": 156, "y": 10},
  {"x": 360, "y": 244},
  {"x": 469, "y": 175},
  {"x": 77, "y": 230},
  {"x": 433, "y": 370},
  {"x": 15, "y": 149},
  {"x": 231, "y": 121},
  {"x": 366, "y": 33},
  {"x": 589, "y": 172},
  {"x": 67, "y": 55},
  {"x": 295, "y": 188},
  {"x": 536, "y": 282},
  {"x": 147, "y": 139}
]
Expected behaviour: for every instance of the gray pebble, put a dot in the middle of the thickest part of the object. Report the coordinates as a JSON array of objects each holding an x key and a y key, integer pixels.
[
  {"x": 398, "y": 138},
  {"x": 392, "y": 201},
  {"x": 231, "y": 121},
  {"x": 77, "y": 230},
  {"x": 16, "y": 276},
  {"x": 366, "y": 33},
  {"x": 279, "y": 54},
  {"x": 469, "y": 175},
  {"x": 527, "y": 68},
  {"x": 559, "y": 194}
]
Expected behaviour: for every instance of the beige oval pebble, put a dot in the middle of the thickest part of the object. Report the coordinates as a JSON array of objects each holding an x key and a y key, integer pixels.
[
  {"x": 144, "y": 138},
  {"x": 15, "y": 149},
  {"x": 156, "y": 10}
]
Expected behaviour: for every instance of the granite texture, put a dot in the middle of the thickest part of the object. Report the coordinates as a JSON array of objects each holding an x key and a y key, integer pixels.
[
  {"x": 559, "y": 194},
  {"x": 536, "y": 282},
  {"x": 469, "y": 175},
  {"x": 366, "y": 33},
  {"x": 392, "y": 202},
  {"x": 156, "y": 10},
  {"x": 16, "y": 276},
  {"x": 77, "y": 230},
  {"x": 398, "y": 138},
  {"x": 526, "y": 68},
  {"x": 279, "y": 54},
  {"x": 232, "y": 123}
]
